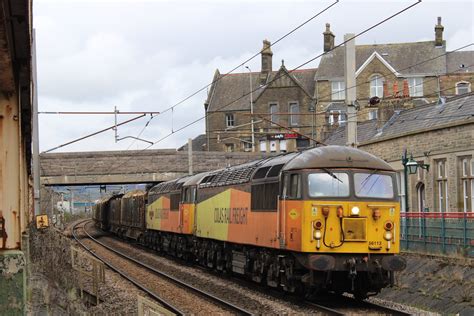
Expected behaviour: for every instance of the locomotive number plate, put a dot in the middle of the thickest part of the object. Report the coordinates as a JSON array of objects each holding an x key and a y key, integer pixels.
[{"x": 375, "y": 245}]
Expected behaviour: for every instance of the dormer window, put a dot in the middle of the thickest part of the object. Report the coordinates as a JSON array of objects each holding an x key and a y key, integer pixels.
[
  {"x": 415, "y": 85},
  {"x": 337, "y": 117},
  {"x": 463, "y": 87},
  {"x": 376, "y": 86}
]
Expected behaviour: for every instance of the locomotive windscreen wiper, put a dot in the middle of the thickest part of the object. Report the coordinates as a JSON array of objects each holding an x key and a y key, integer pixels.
[{"x": 332, "y": 174}]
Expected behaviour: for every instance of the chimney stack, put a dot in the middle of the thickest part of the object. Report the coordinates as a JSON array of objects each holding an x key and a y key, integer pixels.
[
  {"x": 328, "y": 39},
  {"x": 439, "y": 33},
  {"x": 266, "y": 61}
]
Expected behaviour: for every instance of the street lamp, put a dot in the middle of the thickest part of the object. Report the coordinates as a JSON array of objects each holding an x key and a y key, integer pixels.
[
  {"x": 251, "y": 108},
  {"x": 410, "y": 166}
]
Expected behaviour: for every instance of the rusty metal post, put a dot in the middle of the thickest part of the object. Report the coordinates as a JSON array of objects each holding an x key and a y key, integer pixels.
[{"x": 35, "y": 136}]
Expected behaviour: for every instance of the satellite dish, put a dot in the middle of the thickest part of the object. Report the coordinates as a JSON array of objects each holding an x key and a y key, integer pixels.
[{"x": 374, "y": 100}]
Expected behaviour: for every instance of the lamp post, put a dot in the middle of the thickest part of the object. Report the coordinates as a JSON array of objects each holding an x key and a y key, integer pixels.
[
  {"x": 251, "y": 109},
  {"x": 410, "y": 166}
]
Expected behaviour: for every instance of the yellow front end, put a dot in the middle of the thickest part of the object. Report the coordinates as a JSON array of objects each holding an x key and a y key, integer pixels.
[{"x": 350, "y": 227}]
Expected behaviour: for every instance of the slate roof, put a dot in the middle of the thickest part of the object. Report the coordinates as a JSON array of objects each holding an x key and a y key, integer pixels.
[
  {"x": 455, "y": 59},
  {"x": 401, "y": 56},
  {"x": 236, "y": 86},
  {"x": 430, "y": 116},
  {"x": 198, "y": 143}
]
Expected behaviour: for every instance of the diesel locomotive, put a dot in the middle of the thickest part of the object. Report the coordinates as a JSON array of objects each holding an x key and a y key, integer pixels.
[{"x": 323, "y": 219}]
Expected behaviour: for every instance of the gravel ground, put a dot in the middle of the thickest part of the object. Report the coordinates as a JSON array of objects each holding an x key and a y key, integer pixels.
[
  {"x": 184, "y": 300},
  {"x": 252, "y": 300}
]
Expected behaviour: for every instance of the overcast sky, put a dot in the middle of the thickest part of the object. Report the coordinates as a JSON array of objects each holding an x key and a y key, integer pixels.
[{"x": 148, "y": 55}]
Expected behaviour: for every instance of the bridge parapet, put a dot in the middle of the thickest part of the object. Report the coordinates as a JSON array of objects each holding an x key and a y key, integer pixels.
[{"x": 131, "y": 166}]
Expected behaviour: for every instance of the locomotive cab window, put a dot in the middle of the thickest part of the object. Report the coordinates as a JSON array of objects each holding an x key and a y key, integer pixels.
[
  {"x": 373, "y": 185},
  {"x": 174, "y": 201},
  {"x": 292, "y": 186},
  {"x": 328, "y": 184},
  {"x": 188, "y": 194}
]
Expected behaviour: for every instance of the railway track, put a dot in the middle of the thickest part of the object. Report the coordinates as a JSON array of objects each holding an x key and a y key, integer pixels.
[
  {"x": 210, "y": 297},
  {"x": 332, "y": 305}
]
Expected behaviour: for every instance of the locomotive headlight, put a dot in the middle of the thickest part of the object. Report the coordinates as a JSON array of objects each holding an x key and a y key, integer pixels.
[
  {"x": 317, "y": 234},
  {"x": 388, "y": 235},
  {"x": 355, "y": 211}
]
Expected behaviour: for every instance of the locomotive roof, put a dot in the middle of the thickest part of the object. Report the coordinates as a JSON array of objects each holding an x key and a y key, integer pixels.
[
  {"x": 195, "y": 179},
  {"x": 336, "y": 157}
]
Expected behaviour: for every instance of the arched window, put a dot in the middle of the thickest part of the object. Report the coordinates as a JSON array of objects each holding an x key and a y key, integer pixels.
[
  {"x": 376, "y": 86},
  {"x": 463, "y": 87}
]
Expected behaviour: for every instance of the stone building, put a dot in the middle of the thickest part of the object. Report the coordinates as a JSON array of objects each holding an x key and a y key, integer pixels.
[
  {"x": 311, "y": 102},
  {"x": 281, "y": 102},
  {"x": 438, "y": 134},
  {"x": 401, "y": 74}
]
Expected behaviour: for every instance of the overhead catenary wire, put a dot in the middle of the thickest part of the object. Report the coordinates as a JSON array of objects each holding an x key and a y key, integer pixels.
[
  {"x": 277, "y": 77},
  {"x": 171, "y": 108},
  {"x": 95, "y": 133},
  {"x": 431, "y": 118}
]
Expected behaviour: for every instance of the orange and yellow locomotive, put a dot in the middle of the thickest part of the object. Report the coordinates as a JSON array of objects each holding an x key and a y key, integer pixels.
[{"x": 324, "y": 219}]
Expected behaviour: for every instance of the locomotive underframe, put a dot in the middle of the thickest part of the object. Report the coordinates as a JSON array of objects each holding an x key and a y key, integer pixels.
[{"x": 360, "y": 274}]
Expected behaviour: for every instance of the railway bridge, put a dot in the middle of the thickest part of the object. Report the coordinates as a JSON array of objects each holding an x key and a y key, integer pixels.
[{"x": 131, "y": 166}]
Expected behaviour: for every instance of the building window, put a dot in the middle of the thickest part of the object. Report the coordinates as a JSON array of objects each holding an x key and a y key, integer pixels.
[
  {"x": 229, "y": 120},
  {"x": 273, "y": 113},
  {"x": 373, "y": 114},
  {"x": 463, "y": 87},
  {"x": 467, "y": 178},
  {"x": 416, "y": 86},
  {"x": 229, "y": 148},
  {"x": 442, "y": 186},
  {"x": 283, "y": 146},
  {"x": 338, "y": 90},
  {"x": 337, "y": 117},
  {"x": 294, "y": 111},
  {"x": 273, "y": 146},
  {"x": 247, "y": 146},
  {"x": 376, "y": 86}
]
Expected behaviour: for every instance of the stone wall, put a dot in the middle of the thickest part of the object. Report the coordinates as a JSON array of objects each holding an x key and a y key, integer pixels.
[
  {"x": 451, "y": 143},
  {"x": 282, "y": 91},
  {"x": 132, "y": 166}
]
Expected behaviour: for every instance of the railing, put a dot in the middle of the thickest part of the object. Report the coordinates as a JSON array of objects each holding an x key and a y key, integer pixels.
[{"x": 438, "y": 232}]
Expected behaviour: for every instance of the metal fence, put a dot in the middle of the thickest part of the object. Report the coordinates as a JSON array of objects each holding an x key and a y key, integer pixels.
[{"x": 437, "y": 232}]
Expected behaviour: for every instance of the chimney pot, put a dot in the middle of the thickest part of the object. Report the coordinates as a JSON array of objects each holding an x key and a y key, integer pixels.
[
  {"x": 328, "y": 38},
  {"x": 266, "y": 61},
  {"x": 439, "y": 33}
]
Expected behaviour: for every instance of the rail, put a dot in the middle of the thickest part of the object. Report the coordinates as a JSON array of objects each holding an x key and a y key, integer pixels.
[
  {"x": 165, "y": 303},
  {"x": 173, "y": 279}
]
